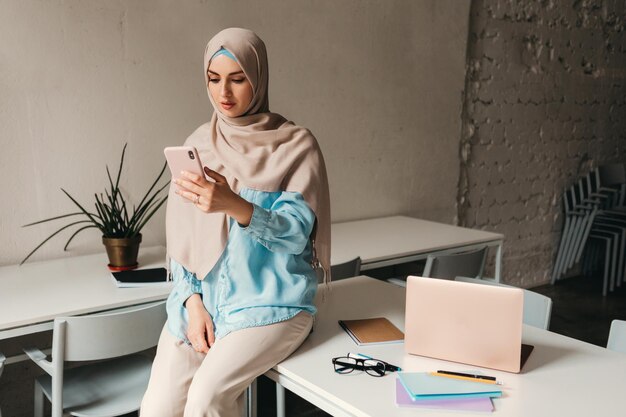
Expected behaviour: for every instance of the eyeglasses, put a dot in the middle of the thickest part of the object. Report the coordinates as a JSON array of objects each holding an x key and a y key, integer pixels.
[{"x": 373, "y": 367}]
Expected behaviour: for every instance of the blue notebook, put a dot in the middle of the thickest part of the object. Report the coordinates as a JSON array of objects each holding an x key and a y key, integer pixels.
[
  {"x": 422, "y": 385},
  {"x": 403, "y": 399}
]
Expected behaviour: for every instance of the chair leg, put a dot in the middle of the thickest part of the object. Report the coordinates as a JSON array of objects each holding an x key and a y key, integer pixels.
[
  {"x": 280, "y": 401},
  {"x": 607, "y": 266},
  {"x": 614, "y": 257},
  {"x": 39, "y": 398},
  {"x": 587, "y": 261},
  {"x": 252, "y": 399},
  {"x": 569, "y": 244},
  {"x": 560, "y": 251},
  {"x": 576, "y": 241},
  {"x": 569, "y": 237},
  {"x": 602, "y": 257},
  {"x": 585, "y": 235},
  {"x": 245, "y": 407}
]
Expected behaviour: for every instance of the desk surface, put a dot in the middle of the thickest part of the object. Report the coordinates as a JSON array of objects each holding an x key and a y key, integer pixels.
[
  {"x": 38, "y": 292},
  {"x": 563, "y": 376},
  {"x": 32, "y": 295},
  {"x": 399, "y": 236}
]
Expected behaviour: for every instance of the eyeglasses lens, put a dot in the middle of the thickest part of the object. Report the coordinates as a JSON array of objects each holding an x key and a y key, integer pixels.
[
  {"x": 345, "y": 365},
  {"x": 374, "y": 367}
]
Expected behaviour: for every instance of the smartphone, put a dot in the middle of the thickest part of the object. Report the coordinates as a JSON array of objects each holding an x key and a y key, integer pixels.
[{"x": 183, "y": 158}]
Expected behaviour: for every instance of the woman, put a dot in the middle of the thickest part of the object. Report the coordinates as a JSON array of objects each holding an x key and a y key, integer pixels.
[{"x": 244, "y": 253}]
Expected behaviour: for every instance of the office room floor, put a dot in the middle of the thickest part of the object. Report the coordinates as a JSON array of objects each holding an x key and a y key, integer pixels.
[{"x": 579, "y": 311}]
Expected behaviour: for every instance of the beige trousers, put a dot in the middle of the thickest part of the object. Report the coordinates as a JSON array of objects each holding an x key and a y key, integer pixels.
[{"x": 186, "y": 383}]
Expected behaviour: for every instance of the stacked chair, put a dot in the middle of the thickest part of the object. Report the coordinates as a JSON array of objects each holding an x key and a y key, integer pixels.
[
  {"x": 594, "y": 231},
  {"x": 2, "y": 359}
]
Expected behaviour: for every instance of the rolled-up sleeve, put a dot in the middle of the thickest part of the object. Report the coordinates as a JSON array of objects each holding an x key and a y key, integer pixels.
[
  {"x": 185, "y": 284},
  {"x": 285, "y": 227}
]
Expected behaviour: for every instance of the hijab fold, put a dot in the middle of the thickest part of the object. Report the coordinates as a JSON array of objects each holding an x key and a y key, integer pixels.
[{"x": 258, "y": 150}]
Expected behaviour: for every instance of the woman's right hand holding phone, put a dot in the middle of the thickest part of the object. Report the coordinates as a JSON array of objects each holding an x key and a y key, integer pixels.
[{"x": 200, "y": 329}]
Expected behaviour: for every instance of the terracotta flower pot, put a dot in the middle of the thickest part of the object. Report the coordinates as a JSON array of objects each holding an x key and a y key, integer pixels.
[{"x": 122, "y": 252}]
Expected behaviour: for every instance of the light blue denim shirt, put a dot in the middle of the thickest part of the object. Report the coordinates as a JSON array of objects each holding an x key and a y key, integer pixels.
[{"x": 263, "y": 276}]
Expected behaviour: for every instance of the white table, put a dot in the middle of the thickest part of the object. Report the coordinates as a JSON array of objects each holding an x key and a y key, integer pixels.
[
  {"x": 563, "y": 376},
  {"x": 33, "y": 294},
  {"x": 394, "y": 240}
]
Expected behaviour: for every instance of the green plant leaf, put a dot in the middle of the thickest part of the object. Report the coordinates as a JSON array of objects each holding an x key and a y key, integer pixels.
[
  {"x": 54, "y": 218},
  {"x": 51, "y": 236},
  {"x": 91, "y": 226},
  {"x": 121, "y": 213},
  {"x": 109, "y": 209},
  {"x": 154, "y": 184},
  {"x": 102, "y": 210},
  {"x": 109, "y": 176},
  {"x": 138, "y": 214},
  {"x": 114, "y": 227},
  {"x": 151, "y": 213},
  {"x": 91, "y": 217},
  {"x": 112, "y": 211},
  {"x": 119, "y": 172}
]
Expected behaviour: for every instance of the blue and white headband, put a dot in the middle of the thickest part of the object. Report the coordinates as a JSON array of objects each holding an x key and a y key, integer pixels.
[{"x": 224, "y": 52}]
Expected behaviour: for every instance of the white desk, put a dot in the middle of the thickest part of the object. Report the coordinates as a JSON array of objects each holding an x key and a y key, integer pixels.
[
  {"x": 398, "y": 239},
  {"x": 33, "y": 294},
  {"x": 563, "y": 376}
]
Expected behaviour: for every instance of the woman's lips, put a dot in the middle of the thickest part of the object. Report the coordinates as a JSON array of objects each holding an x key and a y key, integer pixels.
[{"x": 227, "y": 106}]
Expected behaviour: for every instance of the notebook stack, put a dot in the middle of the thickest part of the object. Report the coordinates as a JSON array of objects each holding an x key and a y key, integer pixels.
[{"x": 424, "y": 390}]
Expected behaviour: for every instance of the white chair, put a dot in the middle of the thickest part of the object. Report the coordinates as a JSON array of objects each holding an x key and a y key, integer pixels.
[
  {"x": 617, "y": 336},
  {"x": 468, "y": 264},
  {"x": 2, "y": 359},
  {"x": 107, "y": 388},
  {"x": 352, "y": 268},
  {"x": 537, "y": 307},
  {"x": 450, "y": 265}
]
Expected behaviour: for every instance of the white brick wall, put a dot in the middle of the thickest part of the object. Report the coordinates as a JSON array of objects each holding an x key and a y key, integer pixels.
[{"x": 545, "y": 100}]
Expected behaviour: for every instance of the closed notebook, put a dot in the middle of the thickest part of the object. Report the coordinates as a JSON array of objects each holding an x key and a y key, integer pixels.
[
  {"x": 372, "y": 331},
  {"x": 422, "y": 385},
  {"x": 403, "y": 399},
  {"x": 141, "y": 277}
]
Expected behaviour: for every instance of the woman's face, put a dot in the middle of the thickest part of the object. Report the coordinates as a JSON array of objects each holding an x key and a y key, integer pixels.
[{"x": 228, "y": 86}]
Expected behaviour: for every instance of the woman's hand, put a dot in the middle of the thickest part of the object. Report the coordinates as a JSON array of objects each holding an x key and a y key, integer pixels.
[
  {"x": 215, "y": 196},
  {"x": 200, "y": 329}
]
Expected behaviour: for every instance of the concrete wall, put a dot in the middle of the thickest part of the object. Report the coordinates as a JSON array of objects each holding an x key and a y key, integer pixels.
[
  {"x": 378, "y": 82},
  {"x": 545, "y": 101},
  {"x": 78, "y": 79}
]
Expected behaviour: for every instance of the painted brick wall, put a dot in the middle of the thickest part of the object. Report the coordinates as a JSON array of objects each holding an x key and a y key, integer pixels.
[{"x": 545, "y": 100}]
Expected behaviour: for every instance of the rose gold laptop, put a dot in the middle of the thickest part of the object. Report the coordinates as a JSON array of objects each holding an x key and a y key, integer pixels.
[{"x": 463, "y": 322}]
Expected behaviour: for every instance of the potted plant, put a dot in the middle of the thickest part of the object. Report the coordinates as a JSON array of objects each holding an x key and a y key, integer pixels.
[{"x": 120, "y": 231}]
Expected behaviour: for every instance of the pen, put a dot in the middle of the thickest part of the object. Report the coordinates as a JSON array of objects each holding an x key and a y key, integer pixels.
[
  {"x": 358, "y": 355},
  {"x": 467, "y": 377},
  {"x": 390, "y": 367}
]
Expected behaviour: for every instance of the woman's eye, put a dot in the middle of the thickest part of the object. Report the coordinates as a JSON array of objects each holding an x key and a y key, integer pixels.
[
  {"x": 239, "y": 80},
  {"x": 214, "y": 80}
]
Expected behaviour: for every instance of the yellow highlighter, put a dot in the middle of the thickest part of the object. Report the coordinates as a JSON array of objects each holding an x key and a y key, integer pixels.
[{"x": 467, "y": 377}]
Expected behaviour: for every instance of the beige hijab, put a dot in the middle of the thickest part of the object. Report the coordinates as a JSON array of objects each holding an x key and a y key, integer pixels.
[{"x": 259, "y": 150}]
